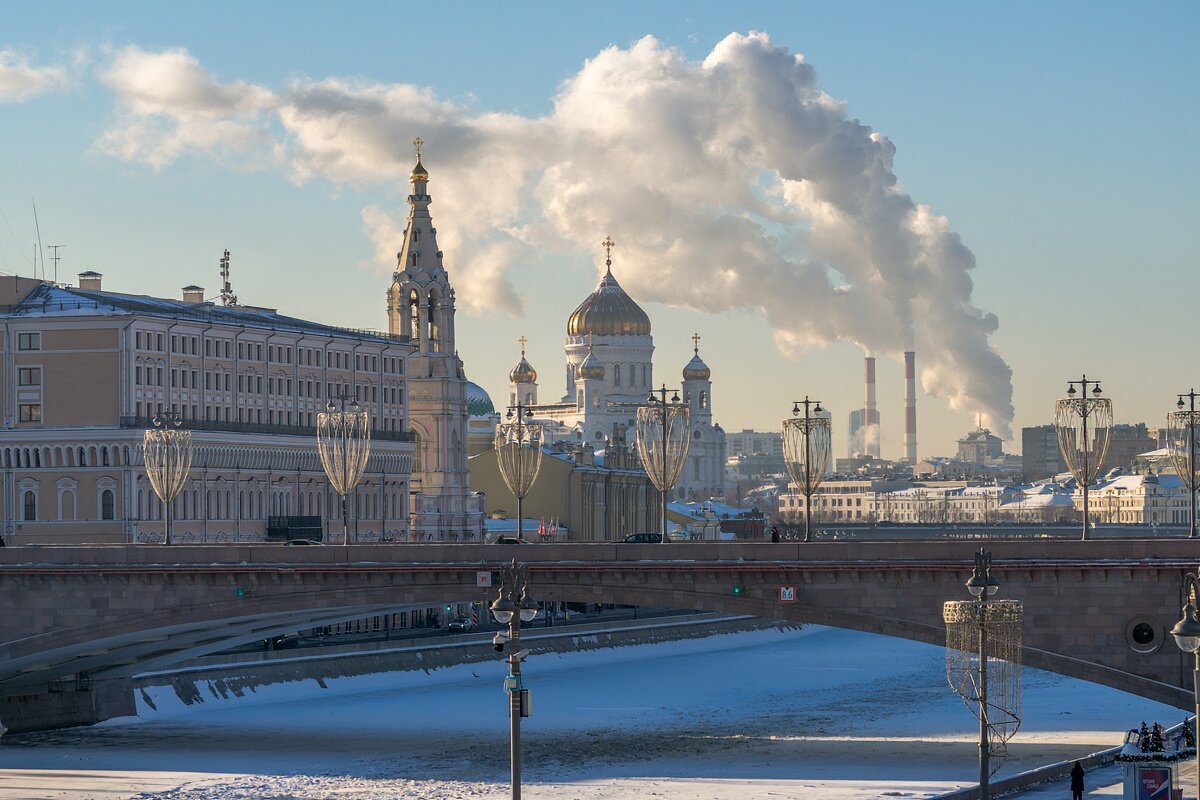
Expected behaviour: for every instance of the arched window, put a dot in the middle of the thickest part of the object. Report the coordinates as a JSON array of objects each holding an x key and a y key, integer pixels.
[
  {"x": 617, "y": 375},
  {"x": 30, "y": 507},
  {"x": 703, "y": 399},
  {"x": 414, "y": 258},
  {"x": 414, "y": 315},
  {"x": 432, "y": 320},
  {"x": 416, "y": 234},
  {"x": 106, "y": 504}
]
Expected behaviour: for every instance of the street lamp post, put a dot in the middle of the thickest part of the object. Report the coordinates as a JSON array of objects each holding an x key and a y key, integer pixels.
[
  {"x": 983, "y": 662},
  {"x": 344, "y": 444},
  {"x": 512, "y": 606},
  {"x": 806, "y": 451},
  {"x": 167, "y": 450},
  {"x": 1181, "y": 433},
  {"x": 519, "y": 455},
  {"x": 662, "y": 437},
  {"x": 1187, "y": 636},
  {"x": 1083, "y": 448}
]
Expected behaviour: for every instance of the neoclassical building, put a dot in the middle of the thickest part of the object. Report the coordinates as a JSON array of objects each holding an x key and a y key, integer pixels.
[
  {"x": 85, "y": 369},
  {"x": 609, "y": 373}
]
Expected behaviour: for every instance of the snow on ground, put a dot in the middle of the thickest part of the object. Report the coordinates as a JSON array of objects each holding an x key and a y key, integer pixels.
[{"x": 818, "y": 713}]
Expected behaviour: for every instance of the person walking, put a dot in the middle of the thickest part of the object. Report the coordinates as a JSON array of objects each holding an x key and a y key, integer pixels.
[
  {"x": 775, "y": 533},
  {"x": 1077, "y": 781}
]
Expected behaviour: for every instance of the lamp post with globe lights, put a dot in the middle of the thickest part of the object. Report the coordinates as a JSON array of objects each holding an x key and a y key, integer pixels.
[
  {"x": 1187, "y": 636},
  {"x": 662, "y": 437},
  {"x": 344, "y": 444},
  {"x": 983, "y": 661},
  {"x": 167, "y": 451},
  {"x": 806, "y": 451},
  {"x": 512, "y": 606},
  {"x": 1084, "y": 427},
  {"x": 1181, "y": 435}
]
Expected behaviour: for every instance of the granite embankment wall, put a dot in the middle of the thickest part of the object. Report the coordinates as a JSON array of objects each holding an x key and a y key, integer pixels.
[{"x": 225, "y": 676}]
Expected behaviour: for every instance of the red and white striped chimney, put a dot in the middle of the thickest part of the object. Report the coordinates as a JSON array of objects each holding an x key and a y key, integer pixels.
[
  {"x": 870, "y": 432},
  {"x": 910, "y": 407}
]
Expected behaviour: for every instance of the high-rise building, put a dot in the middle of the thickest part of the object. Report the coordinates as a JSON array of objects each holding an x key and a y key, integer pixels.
[{"x": 1040, "y": 456}]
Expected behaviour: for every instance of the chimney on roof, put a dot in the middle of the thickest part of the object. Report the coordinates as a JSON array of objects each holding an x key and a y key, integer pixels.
[
  {"x": 90, "y": 280},
  {"x": 193, "y": 294}
]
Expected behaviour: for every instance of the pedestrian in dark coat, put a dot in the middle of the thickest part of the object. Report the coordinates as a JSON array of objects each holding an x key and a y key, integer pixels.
[
  {"x": 1077, "y": 781},
  {"x": 774, "y": 533}
]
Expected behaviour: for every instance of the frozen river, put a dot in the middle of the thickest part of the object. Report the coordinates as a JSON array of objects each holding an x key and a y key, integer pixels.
[{"x": 818, "y": 713}]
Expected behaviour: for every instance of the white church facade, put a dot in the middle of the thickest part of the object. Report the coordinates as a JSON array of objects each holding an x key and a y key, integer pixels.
[{"x": 609, "y": 374}]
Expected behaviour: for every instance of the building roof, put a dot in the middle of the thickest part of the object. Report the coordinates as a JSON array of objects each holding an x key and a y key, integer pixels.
[
  {"x": 49, "y": 300},
  {"x": 607, "y": 311}
]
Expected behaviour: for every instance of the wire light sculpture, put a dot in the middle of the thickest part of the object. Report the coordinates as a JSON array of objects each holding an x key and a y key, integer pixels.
[
  {"x": 983, "y": 663},
  {"x": 1181, "y": 440},
  {"x": 519, "y": 455},
  {"x": 167, "y": 452},
  {"x": 344, "y": 444},
  {"x": 807, "y": 444},
  {"x": 1084, "y": 427},
  {"x": 663, "y": 437}
]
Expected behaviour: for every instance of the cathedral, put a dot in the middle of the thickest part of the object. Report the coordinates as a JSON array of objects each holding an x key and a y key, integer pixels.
[
  {"x": 420, "y": 305},
  {"x": 609, "y": 374}
]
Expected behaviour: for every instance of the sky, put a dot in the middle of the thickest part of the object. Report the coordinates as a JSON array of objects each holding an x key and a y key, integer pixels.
[{"x": 1007, "y": 188}]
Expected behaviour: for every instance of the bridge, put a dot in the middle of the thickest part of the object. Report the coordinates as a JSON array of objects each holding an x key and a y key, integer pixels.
[{"x": 79, "y": 622}]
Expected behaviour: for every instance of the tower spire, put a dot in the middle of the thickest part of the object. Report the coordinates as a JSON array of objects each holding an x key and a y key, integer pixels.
[
  {"x": 608, "y": 245},
  {"x": 523, "y": 342},
  {"x": 696, "y": 344}
]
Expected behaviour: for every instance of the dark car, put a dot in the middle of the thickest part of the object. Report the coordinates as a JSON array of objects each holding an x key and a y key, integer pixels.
[
  {"x": 509, "y": 540},
  {"x": 299, "y": 542},
  {"x": 461, "y": 624},
  {"x": 642, "y": 538}
]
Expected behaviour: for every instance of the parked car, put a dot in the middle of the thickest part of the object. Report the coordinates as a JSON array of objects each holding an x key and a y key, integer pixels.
[
  {"x": 299, "y": 542},
  {"x": 510, "y": 540},
  {"x": 461, "y": 624},
  {"x": 642, "y": 538}
]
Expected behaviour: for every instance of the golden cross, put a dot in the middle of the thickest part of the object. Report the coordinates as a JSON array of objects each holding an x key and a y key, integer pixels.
[
  {"x": 696, "y": 343},
  {"x": 522, "y": 340},
  {"x": 417, "y": 142},
  {"x": 608, "y": 244}
]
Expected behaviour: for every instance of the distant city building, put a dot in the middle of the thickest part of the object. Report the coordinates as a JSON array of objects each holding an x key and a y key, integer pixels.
[
  {"x": 1137, "y": 500},
  {"x": 980, "y": 446},
  {"x": 747, "y": 442},
  {"x": 1040, "y": 455},
  {"x": 1127, "y": 443}
]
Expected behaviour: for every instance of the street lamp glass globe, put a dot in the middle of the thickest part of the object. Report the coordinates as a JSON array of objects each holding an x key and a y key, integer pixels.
[
  {"x": 503, "y": 609},
  {"x": 529, "y": 609},
  {"x": 1187, "y": 631}
]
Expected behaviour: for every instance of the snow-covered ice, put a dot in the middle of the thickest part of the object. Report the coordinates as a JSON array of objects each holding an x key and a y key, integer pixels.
[{"x": 767, "y": 714}]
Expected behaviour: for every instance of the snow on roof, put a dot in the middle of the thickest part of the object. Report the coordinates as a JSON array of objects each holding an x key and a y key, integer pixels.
[
  {"x": 51, "y": 300},
  {"x": 695, "y": 510}
]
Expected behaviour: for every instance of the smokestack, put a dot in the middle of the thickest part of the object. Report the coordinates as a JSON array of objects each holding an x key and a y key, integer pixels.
[
  {"x": 910, "y": 407},
  {"x": 870, "y": 413}
]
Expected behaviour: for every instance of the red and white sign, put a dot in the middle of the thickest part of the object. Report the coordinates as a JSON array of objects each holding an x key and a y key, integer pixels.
[
  {"x": 483, "y": 579},
  {"x": 787, "y": 594}
]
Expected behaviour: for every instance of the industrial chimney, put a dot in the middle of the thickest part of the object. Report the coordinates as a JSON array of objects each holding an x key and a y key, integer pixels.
[
  {"x": 90, "y": 280},
  {"x": 910, "y": 407},
  {"x": 870, "y": 431}
]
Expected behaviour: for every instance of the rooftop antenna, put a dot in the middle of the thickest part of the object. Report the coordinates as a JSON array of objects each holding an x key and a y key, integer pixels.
[
  {"x": 228, "y": 298},
  {"x": 40, "y": 249},
  {"x": 54, "y": 256}
]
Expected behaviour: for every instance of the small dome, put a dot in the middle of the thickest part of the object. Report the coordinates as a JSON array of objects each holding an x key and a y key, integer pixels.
[
  {"x": 591, "y": 368},
  {"x": 479, "y": 403},
  {"x": 696, "y": 370},
  {"x": 419, "y": 173},
  {"x": 607, "y": 311},
  {"x": 523, "y": 372}
]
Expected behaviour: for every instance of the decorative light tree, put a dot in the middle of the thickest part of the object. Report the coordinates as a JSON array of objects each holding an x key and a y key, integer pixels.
[
  {"x": 167, "y": 451},
  {"x": 1181, "y": 436},
  {"x": 663, "y": 436},
  {"x": 983, "y": 663},
  {"x": 344, "y": 444},
  {"x": 806, "y": 451},
  {"x": 1084, "y": 426},
  {"x": 519, "y": 455}
]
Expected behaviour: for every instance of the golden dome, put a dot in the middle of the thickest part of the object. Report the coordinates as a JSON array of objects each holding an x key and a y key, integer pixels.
[
  {"x": 523, "y": 372},
  {"x": 591, "y": 368},
  {"x": 608, "y": 311},
  {"x": 419, "y": 173},
  {"x": 696, "y": 370}
]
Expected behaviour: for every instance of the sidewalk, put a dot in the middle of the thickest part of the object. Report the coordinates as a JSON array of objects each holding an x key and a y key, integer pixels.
[{"x": 1104, "y": 782}]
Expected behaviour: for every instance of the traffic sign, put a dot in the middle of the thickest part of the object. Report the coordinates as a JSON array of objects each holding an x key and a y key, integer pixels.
[
  {"x": 787, "y": 594},
  {"x": 483, "y": 579}
]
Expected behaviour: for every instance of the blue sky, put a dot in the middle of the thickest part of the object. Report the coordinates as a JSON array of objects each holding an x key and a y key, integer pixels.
[{"x": 1055, "y": 138}]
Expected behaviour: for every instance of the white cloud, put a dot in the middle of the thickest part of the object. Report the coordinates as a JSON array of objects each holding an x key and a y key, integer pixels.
[
  {"x": 730, "y": 183},
  {"x": 20, "y": 80}
]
